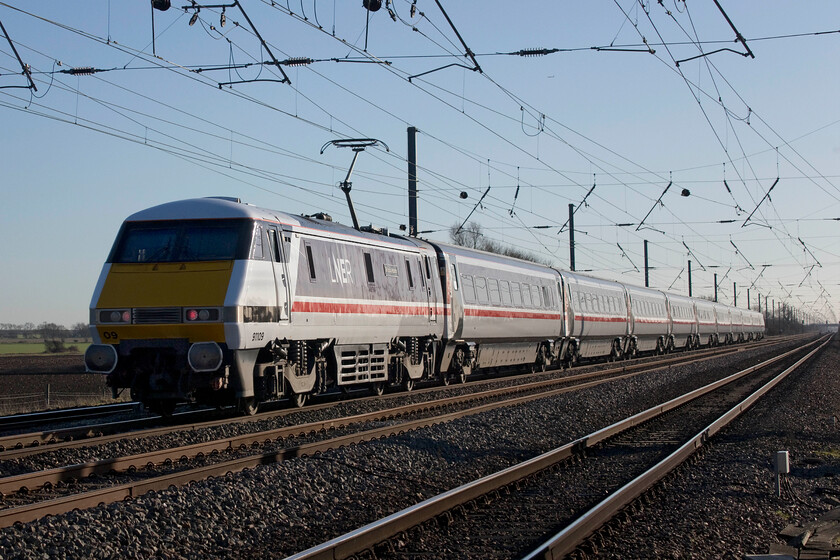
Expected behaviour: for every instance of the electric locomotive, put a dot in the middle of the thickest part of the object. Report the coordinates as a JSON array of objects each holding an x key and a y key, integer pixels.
[{"x": 218, "y": 302}]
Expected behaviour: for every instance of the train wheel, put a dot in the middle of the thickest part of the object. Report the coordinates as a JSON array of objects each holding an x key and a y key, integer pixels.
[
  {"x": 248, "y": 406},
  {"x": 541, "y": 363},
  {"x": 377, "y": 389},
  {"x": 408, "y": 384},
  {"x": 615, "y": 353},
  {"x": 459, "y": 368},
  {"x": 299, "y": 399}
]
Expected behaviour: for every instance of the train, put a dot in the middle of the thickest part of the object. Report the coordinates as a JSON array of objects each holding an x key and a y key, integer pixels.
[{"x": 218, "y": 302}]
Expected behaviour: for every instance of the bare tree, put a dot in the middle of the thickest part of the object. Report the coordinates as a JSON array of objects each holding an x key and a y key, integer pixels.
[
  {"x": 468, "y": 236},
  {"x": 471, "y": 236}
]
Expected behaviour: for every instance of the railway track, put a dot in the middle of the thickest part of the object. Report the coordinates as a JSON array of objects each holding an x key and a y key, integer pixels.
[
  {"x": 29, "y": 496},
  {"x": 547, "y": 506},
  {"x": 33, "y": 419},
  {"x": 25, "y": 444}
]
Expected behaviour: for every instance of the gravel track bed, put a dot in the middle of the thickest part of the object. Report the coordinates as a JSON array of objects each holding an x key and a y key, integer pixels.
[
  {"x": 724, "y": 505},
  {"x": 279, "y": 509},
  {"x": 52, "y": 459},
  {"x": 516, "y": 522}
]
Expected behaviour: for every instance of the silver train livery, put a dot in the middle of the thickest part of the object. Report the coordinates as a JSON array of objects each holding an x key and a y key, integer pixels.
[{"x": 219, "y": 302}]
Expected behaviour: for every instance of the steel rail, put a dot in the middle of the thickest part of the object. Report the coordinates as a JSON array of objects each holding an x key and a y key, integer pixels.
[
  {"x": 52, "y": 476},
  {"x": 36, "y": 510},
  {"x": 33, "y": 480},
  {"x": 34, "y": 418},
  {"x": 374, "y": 533},
  {"x": 574, "y": 534},
  {"x": 22, "y": 445}
]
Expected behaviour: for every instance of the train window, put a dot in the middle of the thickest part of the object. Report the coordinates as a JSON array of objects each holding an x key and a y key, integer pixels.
[
  {"x": 526, "y": 295},
  {"x": 454, "y": 277},
  {"x": 493, "y": 284},
  {"x": 183, "y": 241},
  {"x": 469, "y": 288},
  {"x": 274, "y": 246},
  {"x": 420, "y": 269},
  {"x": 428, "y": 270},
  {"x": 516, "y": 294},
  {"x": 546, "y": 297},
  {"x": 310, "y": 261},
  {"x": 481, "y": 289},
  {"x": 409, "y": 275},
  {"x": 369, "y": 268},
  {"x": 504, "y": 288},
  {"x": 271, "y": 250},
  {"x": 257, "y": 246}
]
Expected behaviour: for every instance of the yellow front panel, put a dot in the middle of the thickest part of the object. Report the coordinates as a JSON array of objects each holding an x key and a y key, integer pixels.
[
  {"x": 166, "y": 285},
  {"x": 202, "y": 332}
]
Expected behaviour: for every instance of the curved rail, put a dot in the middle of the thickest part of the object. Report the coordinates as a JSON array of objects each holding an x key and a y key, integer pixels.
[
  {"x": 51, "y": 478},
  {"x": 374, "y": 533},
  {"x": 21, "y": 445},
  {"x": 569, "y": 538}
]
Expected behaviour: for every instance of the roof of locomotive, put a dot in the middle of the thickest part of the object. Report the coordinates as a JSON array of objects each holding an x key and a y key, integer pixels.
[
  {"x": 206, "y": 208},
  {"x": 228, "y": 208}
]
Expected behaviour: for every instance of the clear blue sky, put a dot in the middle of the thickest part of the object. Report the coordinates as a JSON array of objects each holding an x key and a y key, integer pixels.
[{"x": 85, "y": 151}]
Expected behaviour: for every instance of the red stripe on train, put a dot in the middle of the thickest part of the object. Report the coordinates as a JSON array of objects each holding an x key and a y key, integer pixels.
[{"x": 360, "y": 308}]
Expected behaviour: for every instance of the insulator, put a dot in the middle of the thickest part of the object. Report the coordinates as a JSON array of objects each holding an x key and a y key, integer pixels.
[
  {"x": 297, "y": 61},
  {"x": 81, "y": 71},
  {"x": 535, "y": 52}
]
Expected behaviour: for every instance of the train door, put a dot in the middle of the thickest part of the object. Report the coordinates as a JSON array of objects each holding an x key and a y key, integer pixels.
[
  {"x": 431, "y": 293},
  {"x": 281, "y": 282},
  {"x": 565, "y": 327}
]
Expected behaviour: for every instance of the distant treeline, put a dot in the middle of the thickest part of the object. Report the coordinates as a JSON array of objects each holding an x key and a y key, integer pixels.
[{"x": 44, "y": 331}]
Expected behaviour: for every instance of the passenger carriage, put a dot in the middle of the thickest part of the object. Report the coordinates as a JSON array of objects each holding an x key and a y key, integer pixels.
[{"x": 597, "y": 317}]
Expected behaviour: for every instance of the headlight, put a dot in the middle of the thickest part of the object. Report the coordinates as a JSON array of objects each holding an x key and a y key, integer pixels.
[
  {"x": 100, "y": 358},
  {"x": 205, "y": 356},
  {"x": 114, "y": 316}
]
